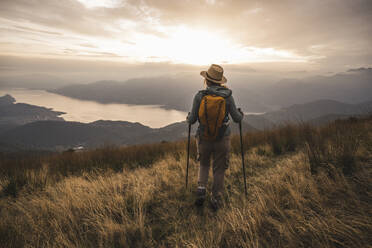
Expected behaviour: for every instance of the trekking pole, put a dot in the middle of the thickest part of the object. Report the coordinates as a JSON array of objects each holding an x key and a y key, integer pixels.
[
  {"x": 241, "y": 146},
  {"x": 188, "y": 156}
]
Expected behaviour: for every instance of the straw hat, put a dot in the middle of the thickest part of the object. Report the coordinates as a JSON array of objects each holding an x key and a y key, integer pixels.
[{"x": 214, "y": 74}]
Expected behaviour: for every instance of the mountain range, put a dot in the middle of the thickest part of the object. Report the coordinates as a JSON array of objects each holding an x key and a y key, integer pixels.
[
  {"x": 353, "y": 86},
  {"x": 316, "y": 109},
  {"x": 28, "y": 127},
  {"x": 176, "y": 92}
]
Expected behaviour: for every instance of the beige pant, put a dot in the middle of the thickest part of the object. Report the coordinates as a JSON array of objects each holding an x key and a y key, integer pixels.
[{"x": 220, "y": 151}]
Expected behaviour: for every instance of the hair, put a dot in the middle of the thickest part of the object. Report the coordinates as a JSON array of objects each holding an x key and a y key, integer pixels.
[{"x": 210, "y": 83}]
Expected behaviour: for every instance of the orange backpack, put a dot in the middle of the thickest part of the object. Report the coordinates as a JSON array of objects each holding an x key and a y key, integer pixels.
[{"x": 212, "y": 112}]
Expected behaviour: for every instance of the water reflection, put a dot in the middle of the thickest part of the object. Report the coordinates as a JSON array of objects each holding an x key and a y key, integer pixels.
[{"x": 88, "y": 111}]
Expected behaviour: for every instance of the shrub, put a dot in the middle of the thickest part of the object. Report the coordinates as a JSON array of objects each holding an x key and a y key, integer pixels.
[{"x": 335, "y": 144}]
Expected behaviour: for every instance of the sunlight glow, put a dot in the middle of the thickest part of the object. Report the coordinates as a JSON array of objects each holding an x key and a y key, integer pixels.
[
  {"x": 130, "y": 44},
  {"x": 200, "y": 47},
  {"x": 100, "y": 3}
]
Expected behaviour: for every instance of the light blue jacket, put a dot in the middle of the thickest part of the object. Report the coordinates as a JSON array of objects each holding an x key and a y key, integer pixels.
[{"x": 230, "y": 106}]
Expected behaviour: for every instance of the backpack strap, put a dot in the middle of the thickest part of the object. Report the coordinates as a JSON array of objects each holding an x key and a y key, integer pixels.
[
  {"x": 203, "y": 92},
  {"x": 206, "y": 115}
]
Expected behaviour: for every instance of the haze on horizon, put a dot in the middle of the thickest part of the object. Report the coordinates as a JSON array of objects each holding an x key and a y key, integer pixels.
[{"x": 112, "y": 36}]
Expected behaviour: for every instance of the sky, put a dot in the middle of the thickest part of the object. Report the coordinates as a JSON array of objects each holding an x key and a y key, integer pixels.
[{"x": 305, "y": 34}]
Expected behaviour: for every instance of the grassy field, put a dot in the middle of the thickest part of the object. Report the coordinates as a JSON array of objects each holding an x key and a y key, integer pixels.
[{"x": 307, "y": 187}]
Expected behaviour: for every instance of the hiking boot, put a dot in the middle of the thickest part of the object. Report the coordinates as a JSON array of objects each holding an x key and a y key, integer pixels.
[
  {"x": 216, "y": 203},
  {"x": 200, "y": 196}
]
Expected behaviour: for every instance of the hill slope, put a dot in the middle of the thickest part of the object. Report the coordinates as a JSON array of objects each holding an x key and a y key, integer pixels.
[{"x": 97, "y": 199}]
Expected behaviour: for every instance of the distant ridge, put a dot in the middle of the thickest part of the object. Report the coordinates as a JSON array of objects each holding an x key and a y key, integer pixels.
[
  {"x": 316, "y": 109},
  {"x": 177, "y": 92},
  {"x": 61, "y": 135},
  {"x": 361, "y": 69},
  {"x": 14, "y": 114}
]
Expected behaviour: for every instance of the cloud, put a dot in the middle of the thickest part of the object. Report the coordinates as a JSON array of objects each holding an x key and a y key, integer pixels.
[
  {"x": 100, "y": 54},
  {"x": 37, "y": 30},
  {"x": 67, "y": 15},
  {"x": 326, "y": 31},
  {"x": 88, "y": 45},
  {"x": 287, "y": 24}
]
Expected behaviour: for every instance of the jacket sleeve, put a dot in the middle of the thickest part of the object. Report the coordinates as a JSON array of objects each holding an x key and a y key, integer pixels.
[
  {"x": 234, "y": 113},
  {"x": 193, "y": 115}
]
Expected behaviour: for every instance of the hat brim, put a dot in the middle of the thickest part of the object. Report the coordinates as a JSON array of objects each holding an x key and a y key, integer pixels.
[{"x": 205, "y": 75}]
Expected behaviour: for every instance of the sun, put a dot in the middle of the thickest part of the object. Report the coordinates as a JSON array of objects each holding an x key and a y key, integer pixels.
[
  {"x": 100, "y": 3},
  {"x": 192, "y": 46},
  {"x": 201, "y": 47},
  {"x": 185, "y": 45},
  {"x": 198, "y": 47}
]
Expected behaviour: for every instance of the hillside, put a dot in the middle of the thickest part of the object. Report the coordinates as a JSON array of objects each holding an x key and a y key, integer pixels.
[
  {"x": 300, "y": 194},
  {"x": 15, "y": 114}
]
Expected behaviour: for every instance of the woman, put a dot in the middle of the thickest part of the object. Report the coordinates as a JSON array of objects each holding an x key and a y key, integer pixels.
[{"x": 216, "y": 144}]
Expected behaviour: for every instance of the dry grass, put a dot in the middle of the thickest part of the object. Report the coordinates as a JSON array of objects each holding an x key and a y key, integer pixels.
[
  {"x": 137, "y": 206},
  {"x": 29, "y": 173}
]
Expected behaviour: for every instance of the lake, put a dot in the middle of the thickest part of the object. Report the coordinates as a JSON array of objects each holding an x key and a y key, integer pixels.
[{"x": 89, "y": 111}]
